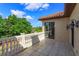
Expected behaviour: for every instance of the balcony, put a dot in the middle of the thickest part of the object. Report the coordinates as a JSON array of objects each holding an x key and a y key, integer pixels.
[{"x": 34, "y": 44}]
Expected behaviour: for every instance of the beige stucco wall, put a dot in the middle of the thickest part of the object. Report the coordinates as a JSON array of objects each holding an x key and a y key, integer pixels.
[
  {"x": 75, "y": 15},
  {"x": 61, "y": 32}
]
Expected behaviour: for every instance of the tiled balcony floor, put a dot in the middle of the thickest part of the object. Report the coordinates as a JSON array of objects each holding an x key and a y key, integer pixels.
[{"x": 49, "y": 47}]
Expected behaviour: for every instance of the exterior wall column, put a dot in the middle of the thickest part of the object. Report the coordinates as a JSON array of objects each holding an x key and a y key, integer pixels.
[{"x": 43, "y": 27}]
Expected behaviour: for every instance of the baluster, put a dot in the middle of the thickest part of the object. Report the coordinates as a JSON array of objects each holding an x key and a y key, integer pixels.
[
  {"x": 3, "y": 49},
  {"x": 11, "y": 46},
  {"x": 20, "y": 42},
  {"x": 14, "y": 45},
  {"x": 0, "y": 48},
  {"x": 6, "y": 47},
  {"x": 17, "y": 45}
]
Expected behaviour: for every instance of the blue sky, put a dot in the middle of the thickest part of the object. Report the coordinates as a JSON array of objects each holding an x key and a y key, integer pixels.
[{"x": 31, "y": 11}]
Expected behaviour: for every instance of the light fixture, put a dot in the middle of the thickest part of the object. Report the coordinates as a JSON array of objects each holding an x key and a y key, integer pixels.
[
  {"x": 71, "y": 25},
  {"x": 77, "y": 24},
  {"x": 74, "y": 23}
]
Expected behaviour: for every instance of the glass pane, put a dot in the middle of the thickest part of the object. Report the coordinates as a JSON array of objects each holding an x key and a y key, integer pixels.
[{"x": 46, "y": 26}]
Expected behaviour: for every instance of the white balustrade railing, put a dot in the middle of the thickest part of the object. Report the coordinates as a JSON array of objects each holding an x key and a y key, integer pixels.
[{"x": 13, "y": 45}]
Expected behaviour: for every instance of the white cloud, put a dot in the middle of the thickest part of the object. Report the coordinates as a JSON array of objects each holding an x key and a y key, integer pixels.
[
  {"x": 28, "y": 17},
  {"x": 18, "y": 13},
  {"x": 36, "y": 6},
  {"x": 33, "y": 21},
  {"x": 24, "y": 4},
  {"x": 45, "y": 5},
  {"x": 6, "y": 17},
  {"x": 21, "y": 14},
  {"x": 33, "y": 6},
  {"x": 41, "y": 9},
  {"x": 1, "y": 14}
]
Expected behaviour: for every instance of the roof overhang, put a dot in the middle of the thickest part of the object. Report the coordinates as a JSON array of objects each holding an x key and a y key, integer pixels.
[{"x": 68, "y": 9}]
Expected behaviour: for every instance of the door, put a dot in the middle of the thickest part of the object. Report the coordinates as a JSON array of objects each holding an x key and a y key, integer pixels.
[
  {"x": 49, "y": 26},
  {"x": 52, "y": 30}
]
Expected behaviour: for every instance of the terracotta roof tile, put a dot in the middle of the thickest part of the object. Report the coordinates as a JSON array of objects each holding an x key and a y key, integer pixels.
[
  {"x": 68, "y": 9},
  {"x": 58, "y": 14}
]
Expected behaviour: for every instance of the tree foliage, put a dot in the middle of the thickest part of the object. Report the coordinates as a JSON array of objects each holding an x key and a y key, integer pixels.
[
  {"x": 14, "y": 26},
  {"x": 37, "y": 29}
]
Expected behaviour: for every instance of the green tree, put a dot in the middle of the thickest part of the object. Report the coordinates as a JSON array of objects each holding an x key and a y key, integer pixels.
[
  {"x": 37, "y": 29},
  {"x": 2, "y": 28},
  {"x": 14, "y": 26}
]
